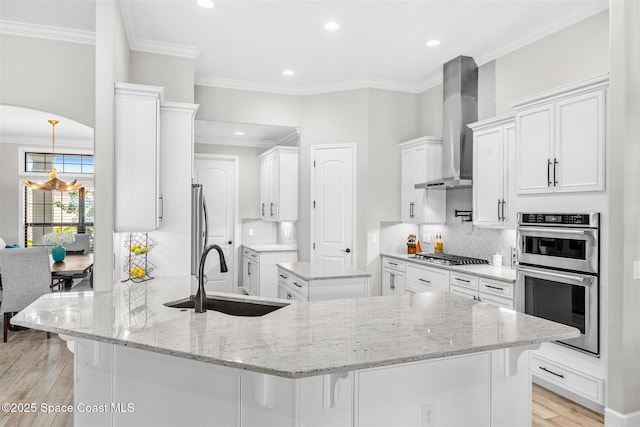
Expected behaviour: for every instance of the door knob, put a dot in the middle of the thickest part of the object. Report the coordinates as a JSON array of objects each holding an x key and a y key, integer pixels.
[
  {"x": 230, "y": 242},
  {"x": 347, "y": 250}
]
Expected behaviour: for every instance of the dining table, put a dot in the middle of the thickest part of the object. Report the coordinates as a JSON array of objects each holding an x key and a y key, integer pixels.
[{"x": 72, "y": 266}]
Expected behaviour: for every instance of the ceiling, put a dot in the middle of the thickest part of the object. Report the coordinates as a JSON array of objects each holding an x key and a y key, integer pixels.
[
  {"x": 24, "y": 125},
  {"x": 247, "y": 44}
]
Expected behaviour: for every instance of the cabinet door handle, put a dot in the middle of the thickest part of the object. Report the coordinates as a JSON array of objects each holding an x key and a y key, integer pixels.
[
  {"x": 498, "y": 209},
  {"x": 548, "y": 172},
  {"x": 161, "y": 199},
  {"x": 392, "y": 281},
  {"x": 494, "y": 287},
  {"x": 263, "y": 209},
  {"x": 555, "y": 164},
  {"x": 542, "y": 368},
  {"x": 288, "y": 295},
  {"x": 271, "y": 209},
  {"x": 249, "y": 269},
  {"x": 411, "y": 209},
  {"x": 503, "y": 217}
]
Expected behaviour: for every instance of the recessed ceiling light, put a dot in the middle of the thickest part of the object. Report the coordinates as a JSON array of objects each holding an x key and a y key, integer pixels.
[
  {"x": 288, "y": 72},
  {"x": 331, "y": 26},
  {"x": 238, "y": 132},
  {"x": 433, "y": 43},
  {"x": 207, "y": 4}
]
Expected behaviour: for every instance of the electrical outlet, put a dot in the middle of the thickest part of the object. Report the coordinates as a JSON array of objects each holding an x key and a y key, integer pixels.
[
  {"x": 636, "y": 269},
  {"x": 429, "y": 415},
  {"x": 426, "y": 237},
  {"x": 250, "y": 232},
  {"x": 374, "y": 237}
]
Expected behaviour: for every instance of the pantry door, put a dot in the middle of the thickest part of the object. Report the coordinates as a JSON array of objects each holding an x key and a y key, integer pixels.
[
  {"x": 333, "y": 204},
  {"x": 218, "y": 175}
]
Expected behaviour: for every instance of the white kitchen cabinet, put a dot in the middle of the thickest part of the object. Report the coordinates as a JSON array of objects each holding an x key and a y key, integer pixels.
[
  {"x": 393, "y": 276},
  {"x": 279, "y": 184},
  {"x": 259, "y": 271},
  {"x": 420, "y": 162},
  {"x": 494, "y": 292},
  {"x": 560, "y": 141},
  {"x": 295, "y": 287},
  {"x": 138, "y": 200},
  {"x": 494, "y": 187},
  {"x": 420, "y": 278}
]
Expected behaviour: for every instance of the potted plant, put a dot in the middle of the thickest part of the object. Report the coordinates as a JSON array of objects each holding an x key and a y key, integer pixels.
[{"x": 57, "y": 239}]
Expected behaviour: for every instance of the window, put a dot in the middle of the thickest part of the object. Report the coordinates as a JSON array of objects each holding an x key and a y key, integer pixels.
[{"x": 47, "y": 211}]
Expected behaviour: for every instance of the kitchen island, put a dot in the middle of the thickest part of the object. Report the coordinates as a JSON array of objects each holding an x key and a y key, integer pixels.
[{"x": 416, "y": 359}]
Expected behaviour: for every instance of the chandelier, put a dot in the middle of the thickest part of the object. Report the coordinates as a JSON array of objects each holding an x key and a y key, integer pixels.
[{"x": 53, "y": 184}]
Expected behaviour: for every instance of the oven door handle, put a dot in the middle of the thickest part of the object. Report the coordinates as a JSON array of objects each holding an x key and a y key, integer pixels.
[
  {"x": 555, "y": 230},
  {"x": 554, "y": 274}
]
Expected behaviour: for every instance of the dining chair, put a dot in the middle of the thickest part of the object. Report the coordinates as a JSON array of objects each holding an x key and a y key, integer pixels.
[
  {"x": 26, "y": 276},
  {"x": 80, "y": 245}
]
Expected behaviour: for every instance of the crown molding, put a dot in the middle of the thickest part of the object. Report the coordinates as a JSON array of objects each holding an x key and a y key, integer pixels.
[
  {"x": 290, "y": 137},
  {"x": 61, "y": 143},
  {"x": 163, "y": 48},
  {"x": 47, "y": 32}
]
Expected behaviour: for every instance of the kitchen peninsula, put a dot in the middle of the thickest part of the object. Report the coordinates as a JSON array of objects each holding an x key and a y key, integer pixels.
[{"x": 415, "y": 359}]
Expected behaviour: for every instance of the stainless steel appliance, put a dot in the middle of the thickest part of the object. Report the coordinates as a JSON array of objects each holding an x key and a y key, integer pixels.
[
  {"x": 558, "y": 272},
  {"x": 448, "y": 259},
  {"x": 199, "y": 226}
]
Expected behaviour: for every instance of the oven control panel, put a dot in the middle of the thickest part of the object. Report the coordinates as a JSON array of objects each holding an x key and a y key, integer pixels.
[{"x": 575, "y": 220}]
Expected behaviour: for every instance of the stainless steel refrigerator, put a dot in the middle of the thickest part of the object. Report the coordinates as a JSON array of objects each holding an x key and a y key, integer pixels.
[{"x": 199, "y": 226}]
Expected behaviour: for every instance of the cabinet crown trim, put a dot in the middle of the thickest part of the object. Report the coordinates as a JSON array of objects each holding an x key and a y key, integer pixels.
[
  {"x": 139, "y": 90},
  {"x": 421, "y": 140},
  {"x": 582, "y": 86},
  {"x": 493, "y": 121},
  {"x": 277, "y": 149}
]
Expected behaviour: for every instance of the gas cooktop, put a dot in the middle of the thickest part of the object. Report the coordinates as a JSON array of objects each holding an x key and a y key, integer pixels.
[{"x": 448, "y": 259}]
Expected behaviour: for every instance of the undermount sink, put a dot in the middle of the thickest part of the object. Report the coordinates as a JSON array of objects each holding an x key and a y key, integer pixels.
[{"x": 231, "y": 307}]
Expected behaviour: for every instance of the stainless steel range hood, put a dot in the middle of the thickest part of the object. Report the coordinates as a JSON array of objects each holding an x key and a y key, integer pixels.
[{"x": 460, "y": 107}]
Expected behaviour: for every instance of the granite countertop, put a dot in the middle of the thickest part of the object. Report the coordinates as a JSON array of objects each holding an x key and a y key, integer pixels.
[
  {"x": 504, "y": 273},
  {"x": 320, "y": 271},
  {"x": 299, "y": 340},
  {"x": 270, "y": 247}
]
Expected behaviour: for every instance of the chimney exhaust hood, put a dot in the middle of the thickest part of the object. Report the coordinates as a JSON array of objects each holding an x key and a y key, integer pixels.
[{"x": 460, "y": 107}]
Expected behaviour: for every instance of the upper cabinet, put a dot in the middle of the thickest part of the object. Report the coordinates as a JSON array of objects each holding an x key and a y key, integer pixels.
[
  {"x": 561, "y": 139},
  {"x": 420, "y": 162},
  {"x": 279, "y": 184},
  {"x": 494, "y": 187},
  {"x": 138, "y": 200}
]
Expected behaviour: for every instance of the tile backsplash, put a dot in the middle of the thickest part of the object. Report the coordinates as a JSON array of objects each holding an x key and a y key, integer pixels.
[
  {"x": 257, "y": 231},
  {"x": 460, "y": 238}
]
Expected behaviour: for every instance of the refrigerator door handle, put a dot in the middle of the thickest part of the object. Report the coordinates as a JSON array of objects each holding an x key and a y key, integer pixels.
[{"x": 206, "y": 222}]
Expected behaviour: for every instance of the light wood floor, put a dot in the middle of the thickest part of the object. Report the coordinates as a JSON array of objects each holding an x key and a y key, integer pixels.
[{"x": 36, "y": 370}]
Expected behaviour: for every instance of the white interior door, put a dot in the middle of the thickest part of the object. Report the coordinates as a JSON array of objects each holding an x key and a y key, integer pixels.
[
  {"x": 333, "y": 204},
  {"x": 218, "y": 176}
]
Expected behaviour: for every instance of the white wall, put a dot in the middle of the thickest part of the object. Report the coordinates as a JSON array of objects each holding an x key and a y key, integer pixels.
[
  {"x": 48, "y": 75},
  {"x": 572, "y": 54},
  {"x": 173, "y": 73}
]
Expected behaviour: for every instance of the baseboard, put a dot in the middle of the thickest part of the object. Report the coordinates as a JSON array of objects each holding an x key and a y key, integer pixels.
[{"x": 616, "y": 419}]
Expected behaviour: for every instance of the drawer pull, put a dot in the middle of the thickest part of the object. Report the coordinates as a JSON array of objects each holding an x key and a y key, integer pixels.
[
  {"x": 542, "y": 368},
  {"x": 296, "y": 283},
  {"x": 462, "y": 280},
  {"x": 425, "y": 281},
  {"x": 283, "y": 276},
  {"x": 494, "y": 287},
  {"x": 393, "y": 263}
]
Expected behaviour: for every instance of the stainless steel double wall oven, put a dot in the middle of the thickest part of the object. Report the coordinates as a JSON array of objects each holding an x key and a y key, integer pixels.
[{"x": 559, "y": 272}]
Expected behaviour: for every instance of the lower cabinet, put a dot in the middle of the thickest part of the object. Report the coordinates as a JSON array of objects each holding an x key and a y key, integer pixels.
[
  {"x": 259, "y": 271},
  {"x": 294, "y": 287},
  {"x": 480, "y": 289},
  {"x": 393, "y": 276},
  {"x": 426, "y": 279}
]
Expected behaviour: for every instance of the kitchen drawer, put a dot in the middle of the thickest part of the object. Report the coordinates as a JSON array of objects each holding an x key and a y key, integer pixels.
[
  {"x": 498, "y": 301},
  {"x": 578, "y": 382},
  {"x": 285, "y": 291},
  {"x": 426, "y": 279},
  {"x": 496, "y": 287},
  {"x": 463, "y": 292},
  {"x": 251, "y": 254},
  {"x": 465, "y": 280},
  {"x": 294, "y": 282},
  {"x": 394, "y": 264}
]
